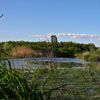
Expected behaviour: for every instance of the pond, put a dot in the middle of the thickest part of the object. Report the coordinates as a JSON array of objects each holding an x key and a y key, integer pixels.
[{"x": 35, "y": 62}]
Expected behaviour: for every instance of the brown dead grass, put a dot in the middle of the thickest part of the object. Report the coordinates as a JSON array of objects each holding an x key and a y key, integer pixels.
[
  {"x": 25, "y": 51},
  {"x": 21, "y": 51}
]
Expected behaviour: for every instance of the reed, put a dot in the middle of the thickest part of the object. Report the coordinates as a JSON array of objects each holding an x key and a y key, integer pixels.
[
  {"x": 25, "y": 51},
  {"x": 21, "y": 51}
]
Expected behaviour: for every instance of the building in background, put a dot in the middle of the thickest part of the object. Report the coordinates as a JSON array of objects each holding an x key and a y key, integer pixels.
[{"x": 54, "y": 38}]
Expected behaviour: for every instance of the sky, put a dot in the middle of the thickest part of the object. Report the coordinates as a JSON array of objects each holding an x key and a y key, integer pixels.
[{"x": 37, "y": 20}]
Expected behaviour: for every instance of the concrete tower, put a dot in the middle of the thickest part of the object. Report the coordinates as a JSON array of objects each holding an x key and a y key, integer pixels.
[{"x": 54, "y": 38}]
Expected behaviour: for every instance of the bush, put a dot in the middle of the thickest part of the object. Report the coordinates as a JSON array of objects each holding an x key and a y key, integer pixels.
[{"x": 94, "y": 58}]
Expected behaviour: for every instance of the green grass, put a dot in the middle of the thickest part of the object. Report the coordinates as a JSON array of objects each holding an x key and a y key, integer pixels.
[{"x": 50, "y": 83}]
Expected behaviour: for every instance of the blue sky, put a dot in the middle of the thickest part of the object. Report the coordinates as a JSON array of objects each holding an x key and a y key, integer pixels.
[{"x": 36, "y": 20}]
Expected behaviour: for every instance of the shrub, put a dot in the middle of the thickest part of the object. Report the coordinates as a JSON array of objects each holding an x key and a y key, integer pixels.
[{"x": 94, "y": 58}]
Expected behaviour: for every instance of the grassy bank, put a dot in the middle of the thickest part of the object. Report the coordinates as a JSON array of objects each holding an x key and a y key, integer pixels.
[{"x": 50, "y": 83}]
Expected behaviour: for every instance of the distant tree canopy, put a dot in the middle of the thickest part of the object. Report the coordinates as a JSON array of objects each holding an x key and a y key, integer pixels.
[{"x": 60, "y": 49}]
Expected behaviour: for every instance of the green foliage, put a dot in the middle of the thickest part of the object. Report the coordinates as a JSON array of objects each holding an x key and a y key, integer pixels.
[
  {"x": 49, "y": 84},
  {"x": 93, "y": 56},
  {"x": 25, "y": 84},
  {"x": 62, "y": 49}
]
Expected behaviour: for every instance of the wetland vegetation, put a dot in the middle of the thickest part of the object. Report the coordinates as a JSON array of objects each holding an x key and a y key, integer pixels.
[
  {"x": 55, "y": 81},
  {"x": 21, "y": 49},
  {"x": 50, "y": 83}
]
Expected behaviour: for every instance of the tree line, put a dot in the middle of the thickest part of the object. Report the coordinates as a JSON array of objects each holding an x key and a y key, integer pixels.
[{"x": 60, "y": 49}]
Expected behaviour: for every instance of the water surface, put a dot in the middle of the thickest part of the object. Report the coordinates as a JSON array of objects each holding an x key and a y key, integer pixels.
[{"x": 24, "y": 62}]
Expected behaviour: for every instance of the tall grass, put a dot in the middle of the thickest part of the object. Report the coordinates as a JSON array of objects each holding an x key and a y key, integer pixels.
[
  {"x": 25, "y": 84},
  {"x": 21, "y": 51},
  {"x": 49, "y": 84},
  {"x": 25, "y": 51}
]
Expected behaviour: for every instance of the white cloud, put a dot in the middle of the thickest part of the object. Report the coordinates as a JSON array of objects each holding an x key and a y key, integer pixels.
[
  {"x": 71, "y": 35},
  {"x": 78, "y": 35}
]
